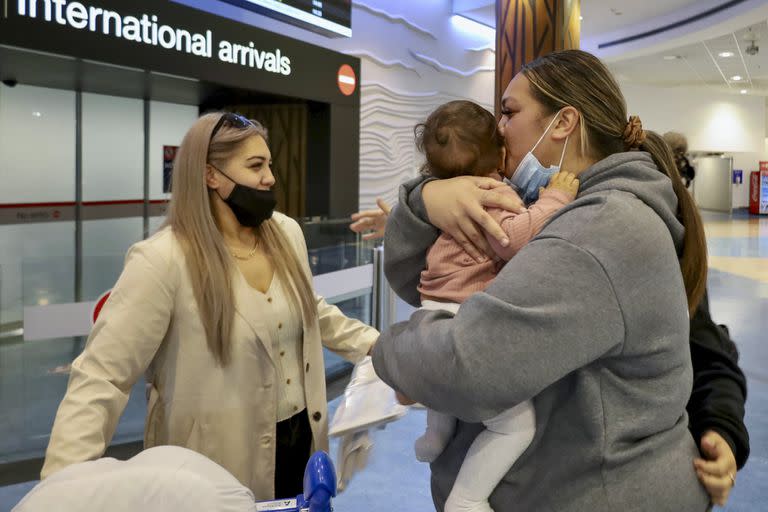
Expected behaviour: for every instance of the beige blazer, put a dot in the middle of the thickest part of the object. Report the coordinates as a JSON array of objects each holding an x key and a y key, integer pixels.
[{"x": 151, "y": 324}]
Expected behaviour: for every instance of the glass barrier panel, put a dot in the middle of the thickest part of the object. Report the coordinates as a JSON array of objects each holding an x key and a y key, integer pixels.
[{"x": 34, "y": 369}]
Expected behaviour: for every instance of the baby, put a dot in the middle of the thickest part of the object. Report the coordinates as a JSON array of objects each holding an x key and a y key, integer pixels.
[{"x": 460, "y": 139}]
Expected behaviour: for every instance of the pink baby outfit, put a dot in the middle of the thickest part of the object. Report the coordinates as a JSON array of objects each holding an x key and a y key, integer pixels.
[
  {"x": 450, "y": 278},
  {"x": 452, "y": 275}
]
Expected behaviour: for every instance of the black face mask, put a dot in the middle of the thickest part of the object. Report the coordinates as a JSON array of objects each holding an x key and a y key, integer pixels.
[{"x": 251, "y": 206}]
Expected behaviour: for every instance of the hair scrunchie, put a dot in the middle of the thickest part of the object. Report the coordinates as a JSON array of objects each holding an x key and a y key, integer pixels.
[{"x": 634, "y": 135}]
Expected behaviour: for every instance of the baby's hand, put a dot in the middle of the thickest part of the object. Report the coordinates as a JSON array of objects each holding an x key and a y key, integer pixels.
[{"x": 564, "y": 182}]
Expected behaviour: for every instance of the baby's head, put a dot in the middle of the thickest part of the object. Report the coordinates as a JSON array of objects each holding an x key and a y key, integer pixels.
[{"x": 460, "y": 138}]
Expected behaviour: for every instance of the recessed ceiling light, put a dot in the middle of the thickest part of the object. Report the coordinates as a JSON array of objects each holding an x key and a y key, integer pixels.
[
  {"x": 725, "y": 55},
  {"x": 736, "y": 78},
  {"x": 671, "y": 57},
  {"x": 743, "y": 91},
  {"x": 581, "y": 18}
]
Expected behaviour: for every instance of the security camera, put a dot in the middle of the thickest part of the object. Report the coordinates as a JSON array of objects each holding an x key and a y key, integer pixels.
[
  {"x": 10, "y": 82},
  {"x": 752, "y": 49}
]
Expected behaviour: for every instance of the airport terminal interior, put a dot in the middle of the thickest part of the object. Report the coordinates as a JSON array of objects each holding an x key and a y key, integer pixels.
[{"x": 96, "y": 98}]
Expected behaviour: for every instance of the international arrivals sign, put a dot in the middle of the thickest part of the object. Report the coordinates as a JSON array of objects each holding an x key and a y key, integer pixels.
[
  {"x": 166, "y": 37},
  {"x": 148, "y": 29}
]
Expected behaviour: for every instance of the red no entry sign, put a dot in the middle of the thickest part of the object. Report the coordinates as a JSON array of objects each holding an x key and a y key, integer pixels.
[{"x": 347, "y": 80}]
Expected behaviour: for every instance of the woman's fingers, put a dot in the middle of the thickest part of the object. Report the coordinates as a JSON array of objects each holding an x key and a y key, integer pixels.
[
  {"x": 713, "y": 445},
  {"x": 384, "y": 206},
  {"x": 491, "y": 198},
  {"x": 469, "y": 236},
  {"x": 718, "y": 467},
  {"x": 486, "y": 183},
  {"x": 717, "y": 487},
  {"x": 717, "y": 470},
  {"x": 486, "y": 224},
  {"x": 360, "y": 225},
  {"x": 374, "y": 235},
  {"x": 718, "y": 458},
  {"x": 375, "y": 220},
  {"x": 457, "y": 207},
  {"x": 364, "y": 225},
  {"x": 366, "y": 214}
]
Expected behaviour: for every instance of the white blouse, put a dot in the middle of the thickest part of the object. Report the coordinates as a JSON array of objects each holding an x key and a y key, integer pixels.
[{"x": 284, "y": 323}]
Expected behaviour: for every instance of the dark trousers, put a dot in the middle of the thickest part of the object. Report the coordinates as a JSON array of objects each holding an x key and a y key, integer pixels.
[{"x": 294, "y": 443}]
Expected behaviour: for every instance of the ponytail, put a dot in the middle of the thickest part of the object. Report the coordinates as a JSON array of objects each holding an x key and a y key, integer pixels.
[{"x": 693, "y": 261}]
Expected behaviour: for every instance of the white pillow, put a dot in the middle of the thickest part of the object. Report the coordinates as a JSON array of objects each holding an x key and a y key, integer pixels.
[{"x": 160, "y": 479}]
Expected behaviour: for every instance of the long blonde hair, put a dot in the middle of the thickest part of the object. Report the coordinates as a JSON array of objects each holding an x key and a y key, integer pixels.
[
  {"x": 192, "y": 219},
  {"x": 579, "y": 79}
]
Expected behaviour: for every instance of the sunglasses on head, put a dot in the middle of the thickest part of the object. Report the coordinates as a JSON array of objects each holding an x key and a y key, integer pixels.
[{"x": 231, "y": 119}]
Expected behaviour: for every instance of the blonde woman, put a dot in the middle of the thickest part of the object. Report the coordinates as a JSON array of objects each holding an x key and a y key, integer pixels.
[{"x": 218, "y": 309}]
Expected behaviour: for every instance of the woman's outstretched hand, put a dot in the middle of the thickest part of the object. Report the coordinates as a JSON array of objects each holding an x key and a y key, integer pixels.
[
  {"x": 371, "y": 221},
  {"x": 457, "y": 206}
]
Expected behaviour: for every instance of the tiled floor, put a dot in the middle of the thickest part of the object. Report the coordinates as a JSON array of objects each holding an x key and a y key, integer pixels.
[
  {"x": 738, "y": 249},
  {"x": 738, "y": 285}
]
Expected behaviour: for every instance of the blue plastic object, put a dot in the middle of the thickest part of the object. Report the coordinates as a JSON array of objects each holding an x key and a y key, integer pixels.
[{"x": 319, "y": 489}]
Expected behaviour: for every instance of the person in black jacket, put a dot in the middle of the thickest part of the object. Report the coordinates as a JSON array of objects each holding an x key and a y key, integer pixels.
[{"x": 716, "y": 407}]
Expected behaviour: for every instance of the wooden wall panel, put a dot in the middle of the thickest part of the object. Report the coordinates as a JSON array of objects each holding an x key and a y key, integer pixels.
[{"x": 528, "y": 29}]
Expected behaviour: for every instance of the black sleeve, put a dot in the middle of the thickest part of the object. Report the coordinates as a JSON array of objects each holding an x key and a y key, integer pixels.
[
  {"x": 690, "y": 171},
  {"x": 719, "y": 386}
]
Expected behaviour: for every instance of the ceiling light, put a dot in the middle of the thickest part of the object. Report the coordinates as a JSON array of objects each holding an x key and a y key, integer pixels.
[
  {"x": 671, "y": 57},
  {"x": 743, "y": 91},
  {"x": 37, "y": 114},
  {"x": 581, "y": 18},
  {"x": 725, "y": 55},
  {"x": 736, "y": 78}
]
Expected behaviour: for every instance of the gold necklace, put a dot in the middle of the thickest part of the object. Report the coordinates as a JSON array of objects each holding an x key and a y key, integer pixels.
[{"x": 249, "y": 255}]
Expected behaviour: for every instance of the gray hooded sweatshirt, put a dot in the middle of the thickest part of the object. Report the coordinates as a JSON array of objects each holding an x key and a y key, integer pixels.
[{"x": 590, "y": 321}]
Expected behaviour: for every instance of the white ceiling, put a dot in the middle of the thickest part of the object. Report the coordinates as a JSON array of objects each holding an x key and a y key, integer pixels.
[
  {"x": 606, "y": 16},
  {"x": 699, "y": 64},
  {"x": 696, "y": 63},
  {"x": 599, "y": 16}
]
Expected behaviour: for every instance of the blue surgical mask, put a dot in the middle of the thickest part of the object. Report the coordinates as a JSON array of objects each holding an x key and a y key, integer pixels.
[{"x": 530, "y": 175}]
